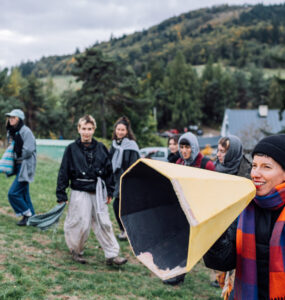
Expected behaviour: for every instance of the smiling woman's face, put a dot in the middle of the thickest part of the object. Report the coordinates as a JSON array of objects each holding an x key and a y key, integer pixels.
[
  {"x": 173, "y": 146},
  {"x": 121, "y": 131},
  {"x": 266, "y": 173}
]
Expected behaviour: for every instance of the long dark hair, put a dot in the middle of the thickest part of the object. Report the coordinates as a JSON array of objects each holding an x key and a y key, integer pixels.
[
  {"x": 175, "y": 138},
  {"x": 125, "y": 121}
]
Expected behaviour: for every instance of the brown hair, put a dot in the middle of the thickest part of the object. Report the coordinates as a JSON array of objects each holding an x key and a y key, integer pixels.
[
  {"x": 125, "y": 121},
  {"x": 175, "y": 138},
  {"x": 87, "y": 119},
  {"x": 225, "y": 142}
]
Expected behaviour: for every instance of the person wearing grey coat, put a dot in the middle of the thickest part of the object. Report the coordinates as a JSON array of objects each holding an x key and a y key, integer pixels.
[{"x": 25, "y": 165}]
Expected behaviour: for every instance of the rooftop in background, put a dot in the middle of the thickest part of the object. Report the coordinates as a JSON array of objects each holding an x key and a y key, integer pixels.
[{"x": 250, "y": 125}]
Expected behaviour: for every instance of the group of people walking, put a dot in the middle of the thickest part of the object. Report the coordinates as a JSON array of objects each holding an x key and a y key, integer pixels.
[
  {"x": 90, "y": 170},
  {"x": 253, "y": 245}
]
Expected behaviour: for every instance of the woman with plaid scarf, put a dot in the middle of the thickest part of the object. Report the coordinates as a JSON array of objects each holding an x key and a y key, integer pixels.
[{"x": 255, "y": 244}]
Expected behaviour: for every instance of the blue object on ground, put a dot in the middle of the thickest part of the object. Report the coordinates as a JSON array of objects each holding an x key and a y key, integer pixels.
[{"x": 44, "y": 221}]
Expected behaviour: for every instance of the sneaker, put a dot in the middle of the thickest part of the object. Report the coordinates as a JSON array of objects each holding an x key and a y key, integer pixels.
[
  {"x": 23, "y": 221},
  {"x": 122, "y": 236},
  {"x": 116, "y": 260},
  {"x": 78, "y": 258}
]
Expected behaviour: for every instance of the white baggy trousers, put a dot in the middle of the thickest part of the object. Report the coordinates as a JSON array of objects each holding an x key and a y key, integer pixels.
[{"x": 84, "y": 213}]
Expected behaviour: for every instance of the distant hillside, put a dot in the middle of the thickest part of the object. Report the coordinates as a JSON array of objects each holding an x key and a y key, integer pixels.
[{"x": 232, "y": 35}]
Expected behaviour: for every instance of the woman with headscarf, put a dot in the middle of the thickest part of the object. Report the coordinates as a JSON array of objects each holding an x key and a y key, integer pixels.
[
  {"x": 230, "y": 160},
  {"x": 254, "y": 245},
  {"x": 25, "y": 165},
  {"x": 124, "y": 152},
  {"x": 190, "y": 153}
]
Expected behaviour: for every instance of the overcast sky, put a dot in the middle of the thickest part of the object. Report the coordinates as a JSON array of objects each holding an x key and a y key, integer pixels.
[{"x": 30, "y": 29}]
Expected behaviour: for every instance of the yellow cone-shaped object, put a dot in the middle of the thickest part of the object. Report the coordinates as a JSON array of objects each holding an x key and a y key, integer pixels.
[{"x": 173, "y": 214}]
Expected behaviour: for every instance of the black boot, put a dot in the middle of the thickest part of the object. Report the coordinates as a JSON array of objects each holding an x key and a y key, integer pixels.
[
  {"x": 23, "y": 222},
  {"x": 175, "y": 280}
]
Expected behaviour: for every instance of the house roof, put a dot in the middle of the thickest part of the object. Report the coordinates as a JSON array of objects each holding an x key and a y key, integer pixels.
[
  {"x": 239, "y": 120},
  {"x": 249, "y": 126}
]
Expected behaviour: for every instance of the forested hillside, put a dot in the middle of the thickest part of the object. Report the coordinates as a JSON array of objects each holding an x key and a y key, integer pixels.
[
  {"x": 152, "y": 77},
  {"x": 232, "y": 35}
]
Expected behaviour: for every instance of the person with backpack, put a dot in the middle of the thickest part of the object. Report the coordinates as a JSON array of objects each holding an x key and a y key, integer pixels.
[
  {"x": 123, "y": 152},
  {"x": 87, "y": 168},
  {"x": 25, "y": 165},
  {"x": 190, "y": 153}
]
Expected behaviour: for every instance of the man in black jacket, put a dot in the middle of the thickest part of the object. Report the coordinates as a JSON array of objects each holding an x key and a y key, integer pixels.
[{"x": 86, "y": 167}]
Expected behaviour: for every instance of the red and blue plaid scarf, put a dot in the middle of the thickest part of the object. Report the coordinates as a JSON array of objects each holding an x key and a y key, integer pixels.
[{"x": 246, "y": 270}]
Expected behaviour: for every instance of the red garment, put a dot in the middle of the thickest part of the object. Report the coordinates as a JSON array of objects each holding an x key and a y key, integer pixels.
[{"x": 197, "y": 163}]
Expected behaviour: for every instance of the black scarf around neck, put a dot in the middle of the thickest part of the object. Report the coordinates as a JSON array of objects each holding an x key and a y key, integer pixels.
[{"x": 14, "y": 133}]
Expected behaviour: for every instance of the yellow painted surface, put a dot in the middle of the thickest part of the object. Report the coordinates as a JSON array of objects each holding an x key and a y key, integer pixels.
[{"x": 210, "y": 200}]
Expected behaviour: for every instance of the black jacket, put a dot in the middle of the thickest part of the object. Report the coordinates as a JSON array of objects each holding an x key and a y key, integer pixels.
[
  {"x": 80, "y": 165},
  {"x": 222, "y": 255},
  {"x": 129, "y": 157},
  {"x": 173, "y": 157}
]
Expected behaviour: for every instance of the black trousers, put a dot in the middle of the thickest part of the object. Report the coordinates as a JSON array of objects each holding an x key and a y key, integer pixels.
[{"x": 116, "y": 210}]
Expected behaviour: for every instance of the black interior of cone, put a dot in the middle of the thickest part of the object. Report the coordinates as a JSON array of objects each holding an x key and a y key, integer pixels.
[{"x": 153, "y": 217}]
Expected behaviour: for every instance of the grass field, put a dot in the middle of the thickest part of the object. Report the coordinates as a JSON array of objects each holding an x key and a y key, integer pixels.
[
  {"x": 63, "y": 83},
  {"x": 67, "y": 82},
  {"x": 37, "y": 265}
]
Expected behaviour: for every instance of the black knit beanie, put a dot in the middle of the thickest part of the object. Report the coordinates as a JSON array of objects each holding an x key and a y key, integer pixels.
[{"x": 273, "y": 146}]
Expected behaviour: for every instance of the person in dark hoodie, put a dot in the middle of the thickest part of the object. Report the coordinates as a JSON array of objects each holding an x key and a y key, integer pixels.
[
  {"x": 173, "y": 155},
  {"x": 25, "y": 165},
  {"x": 123, "y": 152},
  {"x": 254, "y": 244},
  {"x": 86, "y": 167}
]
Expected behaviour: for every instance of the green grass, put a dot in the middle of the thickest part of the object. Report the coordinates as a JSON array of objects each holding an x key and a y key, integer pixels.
[
  {"x": 67, "y": 82},
  {"x": 268, "y": 73},
  {"x": 37, "y": 265},
  {"x": 63, "y": 83}
]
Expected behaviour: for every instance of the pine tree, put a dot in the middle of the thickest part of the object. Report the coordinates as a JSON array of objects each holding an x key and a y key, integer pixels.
[
  {"x": 109, "y": 88},
  {"x": 183, "y": 92},
  {"x": 32, "y": 98}
]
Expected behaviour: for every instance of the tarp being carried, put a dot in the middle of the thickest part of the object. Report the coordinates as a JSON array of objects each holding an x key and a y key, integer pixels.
[
  {"x": 46, "y": 220},
  {"x": 173, "y": 214}
]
